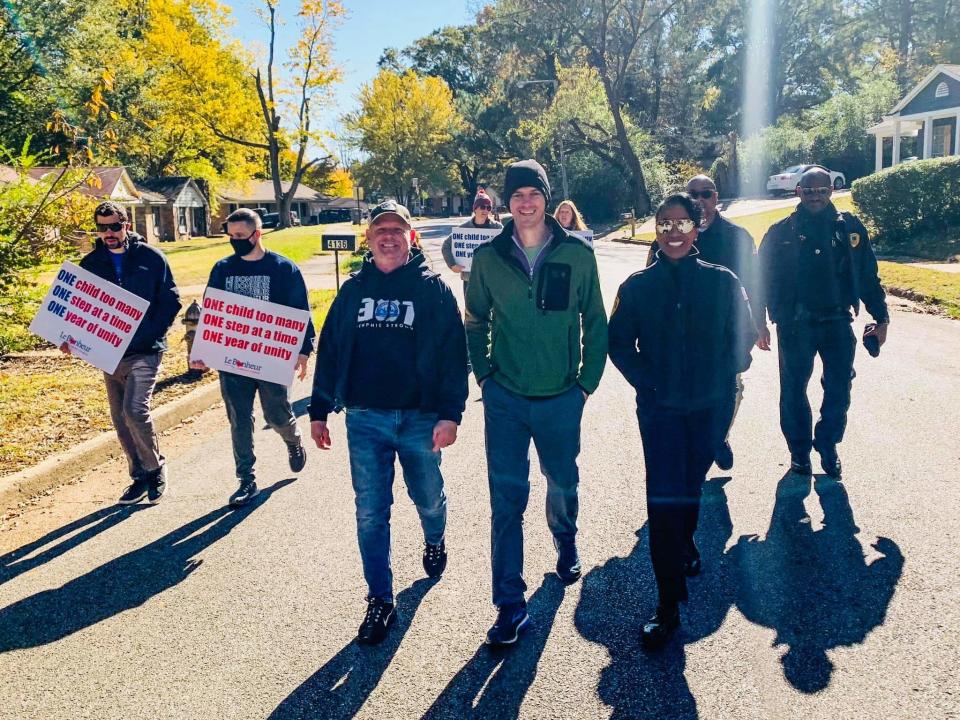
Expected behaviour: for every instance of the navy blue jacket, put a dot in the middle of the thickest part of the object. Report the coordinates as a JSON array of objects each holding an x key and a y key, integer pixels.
[
  {"x": 680, "y": 332},
  {"x": 146, "y": 273},
  {"x": 441, "y": 355},
  {"x": 854, "y": 264}
]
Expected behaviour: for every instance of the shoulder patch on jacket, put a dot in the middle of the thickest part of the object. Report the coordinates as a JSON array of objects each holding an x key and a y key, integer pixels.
[{"x": 854, "y": 239}]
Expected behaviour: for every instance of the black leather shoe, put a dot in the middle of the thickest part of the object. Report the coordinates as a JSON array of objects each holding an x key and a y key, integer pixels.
[
  {"x": 658, "y": 629},
  {"x": 724, "y": 457},
  {"x": 830, "y": 461},
  {"x": 800, "y": 464}
]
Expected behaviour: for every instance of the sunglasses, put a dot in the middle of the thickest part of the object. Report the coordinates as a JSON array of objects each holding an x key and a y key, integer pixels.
[
  {"x": 685, "y": 225},
  {"x": 484, "y": 207},
  {"x": 821, "y": 191},
  {"x": 113, "y": 227},
  {"x": 703, "y": 194}
]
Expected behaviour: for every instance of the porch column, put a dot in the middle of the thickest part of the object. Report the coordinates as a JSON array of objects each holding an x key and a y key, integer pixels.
[
  {"x": 896, "y": 142},
  {"x": 879, "y": 156},
  {"x": 927, "y": 138}
]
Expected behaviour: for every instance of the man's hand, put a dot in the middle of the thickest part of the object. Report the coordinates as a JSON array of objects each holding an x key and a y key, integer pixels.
[
  {"x": 198, "y": 365},
  {"x": 586, "y": 395},
  {"x": 880, "y": 330},
  {"x": 321, "y": 435},
  {"x": 457, "y": 268},
  {"x": 444, "y": 434},
  {"x": 65, "y": 348},
  {"x": 763, "y": 342},
  {"x": 301, "y": 368}
]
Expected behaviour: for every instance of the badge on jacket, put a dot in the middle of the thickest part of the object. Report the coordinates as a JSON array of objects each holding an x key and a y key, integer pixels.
[{"x": 854, "y": 239}]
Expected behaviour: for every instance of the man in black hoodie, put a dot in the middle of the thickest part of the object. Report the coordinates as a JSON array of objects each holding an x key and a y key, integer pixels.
[
  {"x": 123, "y": 257},
  {"x": 392, "y": 351}
]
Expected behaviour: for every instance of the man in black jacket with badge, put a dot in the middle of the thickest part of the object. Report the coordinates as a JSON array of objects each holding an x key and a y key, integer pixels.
[
  {"x": 817, "y": 265},
  {"x": 728, "y": 245},
  {"x": 124, "y": 258},
  {"x": 392, "y": 351}
]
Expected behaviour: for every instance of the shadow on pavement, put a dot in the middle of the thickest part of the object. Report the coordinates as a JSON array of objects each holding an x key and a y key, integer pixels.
[
  {"x": 16, "y": 562},
  {"x": 619, "y": 596},
  {"x": 339, "y": 689},
  {"x": 121, "y": 584},
  {"x": 814, "y": 589},
  {"x": 493, "y": 683}
]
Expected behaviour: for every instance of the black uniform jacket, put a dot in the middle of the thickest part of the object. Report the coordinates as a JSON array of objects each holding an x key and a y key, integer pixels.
[
  {"x": 855, "y": 265},
  {"x": 441, "y": 356},
  {"x": 680, "y": 332},
  {"x": 147, "y": 274}
]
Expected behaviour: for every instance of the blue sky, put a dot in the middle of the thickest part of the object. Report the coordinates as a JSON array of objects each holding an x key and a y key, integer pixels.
[{"x": 371, "y": 26}]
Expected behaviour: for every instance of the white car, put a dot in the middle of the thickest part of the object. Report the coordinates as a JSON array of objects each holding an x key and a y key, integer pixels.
[{"x": 789, "y": 180}]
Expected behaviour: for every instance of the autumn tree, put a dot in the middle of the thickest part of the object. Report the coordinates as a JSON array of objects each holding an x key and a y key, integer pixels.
[{"x": 405, "y": 125}]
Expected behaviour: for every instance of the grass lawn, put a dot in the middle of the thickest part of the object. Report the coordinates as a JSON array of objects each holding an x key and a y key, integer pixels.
[{"x": 65, "y": 396}]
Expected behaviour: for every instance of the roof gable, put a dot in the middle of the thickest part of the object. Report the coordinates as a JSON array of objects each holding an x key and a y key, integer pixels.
[
  {"x": 941, "y": 73},
  {"x": 262, "y": 191},
  {"x": 113, "y": 183}
]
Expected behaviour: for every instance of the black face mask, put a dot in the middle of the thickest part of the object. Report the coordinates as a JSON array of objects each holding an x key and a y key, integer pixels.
[{"x": 242, "y": 247}]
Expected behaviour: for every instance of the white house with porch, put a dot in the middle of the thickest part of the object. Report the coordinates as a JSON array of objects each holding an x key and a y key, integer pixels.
[{"x": 926, "y": 121}]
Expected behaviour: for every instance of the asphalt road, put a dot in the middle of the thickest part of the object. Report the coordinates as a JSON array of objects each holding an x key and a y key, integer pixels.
[{"x": 822, "y": 599}]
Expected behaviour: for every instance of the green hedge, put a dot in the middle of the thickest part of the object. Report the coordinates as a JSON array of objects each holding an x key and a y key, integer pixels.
[{"x": 902, "y": 203}]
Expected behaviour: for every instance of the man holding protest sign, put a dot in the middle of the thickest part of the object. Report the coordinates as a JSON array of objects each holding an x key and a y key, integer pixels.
[
  {"x": 255, "y": 272},
  {"x": 393, "y": 353},
  {"x": 123, "y": 258}
]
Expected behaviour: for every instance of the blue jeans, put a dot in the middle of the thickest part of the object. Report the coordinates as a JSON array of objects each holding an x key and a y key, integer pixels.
[
  {"x": 375, "y": 439},
  {"x": 511, "y": 422},
  {"x": 238, "y": 392}
]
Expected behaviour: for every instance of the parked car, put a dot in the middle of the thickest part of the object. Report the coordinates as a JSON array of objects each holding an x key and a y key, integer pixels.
[
  {"x": 334, "y": 215},
  {"x": 789, "y": 180}
]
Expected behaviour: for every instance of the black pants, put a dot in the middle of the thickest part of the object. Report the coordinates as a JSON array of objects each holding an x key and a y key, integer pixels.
[
  {"x": 678, "y": 450},
  {"x": 797, "y": 346}
]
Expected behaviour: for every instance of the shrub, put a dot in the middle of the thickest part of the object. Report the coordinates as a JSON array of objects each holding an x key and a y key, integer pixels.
[{"x": 911, "y": 199}]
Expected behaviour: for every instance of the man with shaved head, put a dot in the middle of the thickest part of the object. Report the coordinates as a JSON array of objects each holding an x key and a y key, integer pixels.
[
  {"x": 815, "y": 267},
  {"x": 721, "y": 242}
]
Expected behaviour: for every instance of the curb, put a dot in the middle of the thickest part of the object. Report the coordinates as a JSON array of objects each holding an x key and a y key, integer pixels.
[{"x": 69, "y": 464}]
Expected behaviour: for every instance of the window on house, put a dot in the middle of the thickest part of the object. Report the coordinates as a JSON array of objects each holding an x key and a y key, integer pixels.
[{"x": 942, "y": 90}]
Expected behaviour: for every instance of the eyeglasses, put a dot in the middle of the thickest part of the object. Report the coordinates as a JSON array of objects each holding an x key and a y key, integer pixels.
[
  {"x": 114, "y": 227},
  {"x": 684, "y": 225},
  {"x": 821, "y": 191},
  {"x": 704, "y": 194}
]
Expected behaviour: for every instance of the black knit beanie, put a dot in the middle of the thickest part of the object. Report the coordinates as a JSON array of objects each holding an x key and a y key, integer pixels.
[{"x": 526, "y": 173}]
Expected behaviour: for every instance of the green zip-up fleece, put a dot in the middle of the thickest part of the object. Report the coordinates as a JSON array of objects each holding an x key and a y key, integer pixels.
[{"x": 536, "y": 331}]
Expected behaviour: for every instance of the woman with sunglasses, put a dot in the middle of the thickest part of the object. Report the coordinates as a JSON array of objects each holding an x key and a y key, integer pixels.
[
  {"x": 481, "y": 218},
  {"x": 680, "y": 331}
]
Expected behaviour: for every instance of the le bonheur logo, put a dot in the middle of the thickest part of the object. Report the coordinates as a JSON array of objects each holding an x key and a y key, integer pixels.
[
  {"x": 74, "y": 343},
  {"x": 242, "y": 364}
]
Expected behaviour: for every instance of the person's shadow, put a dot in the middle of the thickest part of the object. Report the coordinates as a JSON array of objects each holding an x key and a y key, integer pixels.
[
  {"x": 121, "y": 584},
  {"x": 338, "y": 689},
  {"x": 619, "y": 596},
  {"x": 494, "y": 682},
  {"x": 814, "y": 588},
  {"x": 16, "y": 562}
]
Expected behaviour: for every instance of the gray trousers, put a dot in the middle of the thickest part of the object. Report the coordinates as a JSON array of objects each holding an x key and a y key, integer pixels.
[{"x": 129, "y": 390}]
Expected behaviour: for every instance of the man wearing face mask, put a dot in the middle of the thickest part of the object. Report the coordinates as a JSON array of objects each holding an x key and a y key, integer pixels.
[
  {"x": 259, "y": 273},
  {"x": 124, "y": 258}
]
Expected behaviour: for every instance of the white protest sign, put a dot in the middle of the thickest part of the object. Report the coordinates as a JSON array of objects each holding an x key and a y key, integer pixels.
[
  {"x": 95, "y": 317},
  {"x": 463, "y": 241},
  {"x": 245, "y": 336},
  {"x": 585, "y": 235}
]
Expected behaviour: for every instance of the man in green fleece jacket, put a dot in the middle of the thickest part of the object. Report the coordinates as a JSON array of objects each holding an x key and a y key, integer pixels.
[{"x": 537, "y": 337}]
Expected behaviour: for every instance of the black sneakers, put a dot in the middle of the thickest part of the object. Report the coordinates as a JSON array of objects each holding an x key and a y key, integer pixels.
[
  {"x": 658, "y": 629},
  {"x": 512, "y": 619},
  {"x": 434, "y": 559},
  {"x": 800, "y": 463},
  {"x": 296, "y": 455},
  {"x": 136, "y": 492},
  {"x": 829, "y": 460},
  {"x": 380, "y": 616},
  {"x": 724, "y": 457},
  {"x": 568, "y": 561},
  {"x": 247, "y": 491},
  {"x": 156, "y": 484}
]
